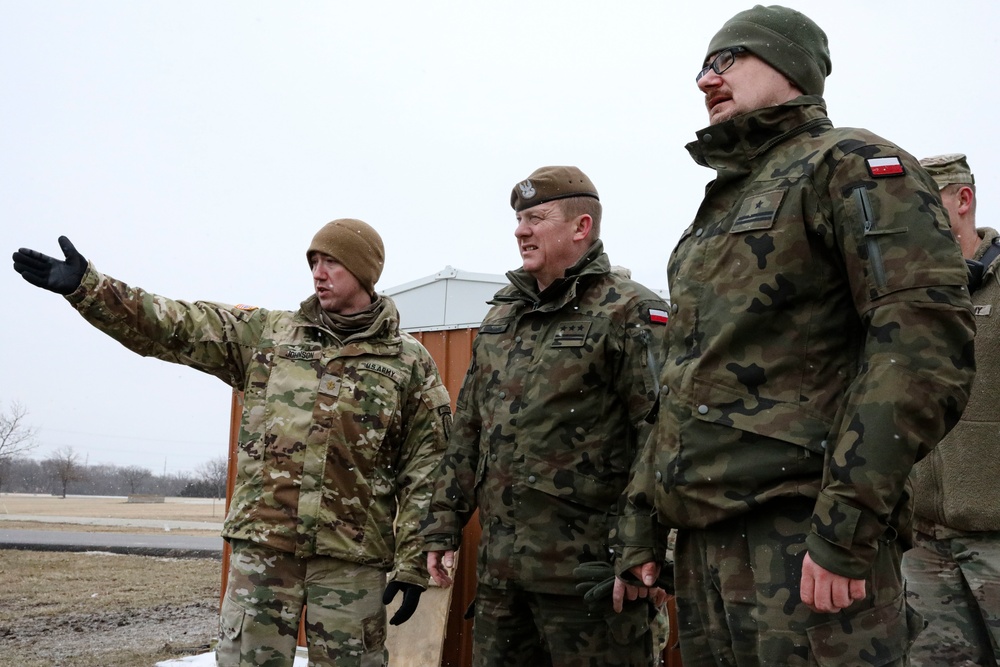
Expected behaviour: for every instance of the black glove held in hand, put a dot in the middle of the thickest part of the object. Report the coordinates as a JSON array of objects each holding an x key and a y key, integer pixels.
[
  {"x": 596, "y": 580},
  {"x": 61, "y": 277},
  {"x": 411, "y": 596}
]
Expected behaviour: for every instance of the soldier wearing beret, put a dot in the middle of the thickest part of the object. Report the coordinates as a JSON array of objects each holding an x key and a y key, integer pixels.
[
  {"x": 344, "y": 420},
  {"x": 548, "y": 420},
  {"x": 820, "y": 343},
  {"x": 953, "y": 570}
]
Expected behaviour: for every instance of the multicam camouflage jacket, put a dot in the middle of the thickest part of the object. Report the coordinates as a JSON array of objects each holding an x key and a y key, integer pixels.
[
  {"x": 336, "y": 436},
  {"x": 820, "y": 338},
  {"x": 547, "y": 424},
  {"x": 955, "y": 489}
]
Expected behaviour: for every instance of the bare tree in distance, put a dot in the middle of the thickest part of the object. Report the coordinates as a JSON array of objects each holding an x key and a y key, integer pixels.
[
  {"x": 213, "y": 472},
  {"x": 135, "y": 477},
  {"x": 65, "y": 466},
  {"x": 17, "y": 438}
]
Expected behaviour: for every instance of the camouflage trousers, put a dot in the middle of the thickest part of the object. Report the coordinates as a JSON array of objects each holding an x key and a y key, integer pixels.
[
  {"x": 345, "y": 619},
  {"x": 738, "y": 603},
  {"x": 955, "y": 585},
  {"x": 520, "y": 629}
]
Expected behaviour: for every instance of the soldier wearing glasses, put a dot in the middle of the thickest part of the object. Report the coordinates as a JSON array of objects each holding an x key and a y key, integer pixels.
[{"x": 820, "y": 342}]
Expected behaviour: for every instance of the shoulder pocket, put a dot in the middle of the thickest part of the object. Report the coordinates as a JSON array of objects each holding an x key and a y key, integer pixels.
[{"x": 439, "y": 403}]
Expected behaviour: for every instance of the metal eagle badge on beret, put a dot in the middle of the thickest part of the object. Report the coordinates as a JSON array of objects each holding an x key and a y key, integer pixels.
[{"x": 527, "y": 189}]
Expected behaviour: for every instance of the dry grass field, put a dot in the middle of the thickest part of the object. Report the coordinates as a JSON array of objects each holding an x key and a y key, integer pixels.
[
  {"x": 174, "y": 509},
  {"x": 99, "y": 609},
  {"x": 200, "y": 510}
]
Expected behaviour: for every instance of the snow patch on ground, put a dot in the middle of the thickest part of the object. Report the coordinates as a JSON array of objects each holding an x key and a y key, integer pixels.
[{"x": 208, "y": 660}]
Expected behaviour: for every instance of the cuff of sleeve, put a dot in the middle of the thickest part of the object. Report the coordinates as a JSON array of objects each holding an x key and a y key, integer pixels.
[
  {"x": 636, "y": 530},
  {"x": 844, "y": 538},
  {"x": 440, "y": 542},
  {"x": 86, "y": 286},
  {"x": 632, "y": 556},
  {"x": 408, "y": 577}
]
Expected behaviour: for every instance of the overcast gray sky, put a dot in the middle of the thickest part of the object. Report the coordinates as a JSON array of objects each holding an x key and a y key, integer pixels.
[{"x": 193, "y": 148}]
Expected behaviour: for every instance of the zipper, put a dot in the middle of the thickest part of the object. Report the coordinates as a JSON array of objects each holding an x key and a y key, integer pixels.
[{"x": 860, "y": 195}]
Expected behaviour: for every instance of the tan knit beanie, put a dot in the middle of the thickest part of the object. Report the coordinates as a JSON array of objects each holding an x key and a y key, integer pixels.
[{"x": 356, "y": 245}]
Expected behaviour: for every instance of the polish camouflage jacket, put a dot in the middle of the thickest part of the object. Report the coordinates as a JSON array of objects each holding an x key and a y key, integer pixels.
[
  {"x": 820, "y": 338},
  {"x": 547, "y": 424},
  {"x": 956, "y": 489},
  {"x": 338, "y": 438}
]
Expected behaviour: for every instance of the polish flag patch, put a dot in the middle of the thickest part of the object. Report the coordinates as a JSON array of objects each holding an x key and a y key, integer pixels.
[
  {"x": 658, "y": 316},
  {"x": 885, "y": 166}
]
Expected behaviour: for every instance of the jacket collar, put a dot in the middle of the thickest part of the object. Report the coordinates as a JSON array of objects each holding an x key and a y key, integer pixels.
[
  {"x": 524, "y": 288},
  {"x": 384, "y": 330},
  {"x": 731, "y": 146}
]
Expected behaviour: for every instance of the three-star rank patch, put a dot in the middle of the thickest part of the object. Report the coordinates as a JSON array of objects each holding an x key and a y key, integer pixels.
[
  {"x": 880, "y": 167},
  {"x": 571, "y": 334}
]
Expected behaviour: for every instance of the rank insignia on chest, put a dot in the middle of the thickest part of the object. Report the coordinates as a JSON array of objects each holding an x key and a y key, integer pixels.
[
  {"x": 879, "y": 167},
  {"x": 571, "y": 334},
  {"x": 329, "y": 385},
  {"x": 758, "y": 211}
]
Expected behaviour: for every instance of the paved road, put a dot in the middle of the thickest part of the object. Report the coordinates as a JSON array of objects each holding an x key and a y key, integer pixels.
[{"x": 165, "y": 544}]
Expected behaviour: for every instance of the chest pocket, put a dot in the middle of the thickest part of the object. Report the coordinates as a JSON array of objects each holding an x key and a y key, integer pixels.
[
  {"x": 280, "y": 396},
  {"x": 768, "y": 223}
]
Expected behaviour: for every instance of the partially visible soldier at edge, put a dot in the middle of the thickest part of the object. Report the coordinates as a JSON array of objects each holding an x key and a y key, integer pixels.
[
  {"x": 953, "y": 570},
  {"x": 820, "y": 342},
  {"x": 547, "y": 423},
  {"x": 345, "y": 419}
]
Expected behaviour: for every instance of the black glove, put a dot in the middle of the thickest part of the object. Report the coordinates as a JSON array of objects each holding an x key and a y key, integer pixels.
[
  {"x": 61, "y": 277},
  {"x": 411, "y": 596},
  {"x": 597, "y": 580}
]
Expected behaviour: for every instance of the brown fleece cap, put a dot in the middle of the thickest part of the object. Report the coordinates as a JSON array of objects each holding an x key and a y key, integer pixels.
[{"x": 356, "y": 245}]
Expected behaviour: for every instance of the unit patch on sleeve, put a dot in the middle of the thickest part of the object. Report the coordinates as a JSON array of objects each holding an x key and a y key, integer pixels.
[
  {"x": 658, "y": 316},
  {"x": 879, "y": 167}
]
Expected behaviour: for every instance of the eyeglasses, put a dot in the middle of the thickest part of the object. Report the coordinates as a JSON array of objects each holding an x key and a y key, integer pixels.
[{"x": 723, "y": 61}]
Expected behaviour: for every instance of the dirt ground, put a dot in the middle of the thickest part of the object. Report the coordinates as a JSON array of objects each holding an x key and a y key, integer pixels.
[
  {"x": 105, "y": 610},
  {"x": 100, "y": 609}
]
